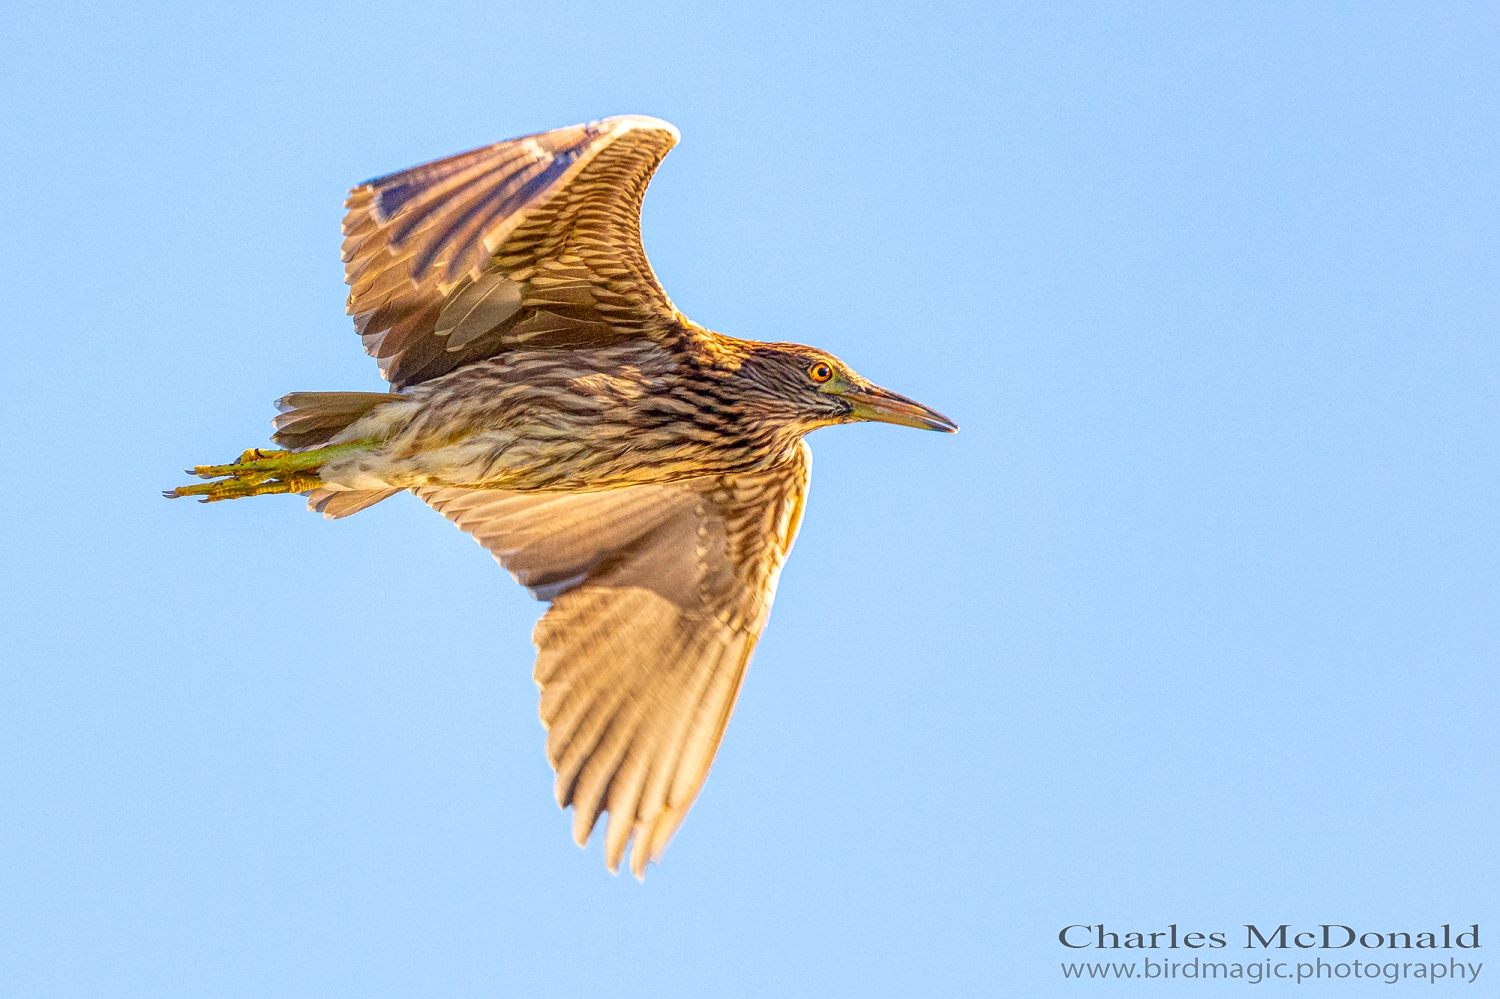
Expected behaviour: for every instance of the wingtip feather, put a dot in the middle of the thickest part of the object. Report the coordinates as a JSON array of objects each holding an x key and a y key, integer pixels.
[{"x": 627, "y": 122}]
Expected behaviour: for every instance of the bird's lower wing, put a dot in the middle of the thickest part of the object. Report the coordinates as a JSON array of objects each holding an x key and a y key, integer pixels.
[{"x": 659, "y": 593}]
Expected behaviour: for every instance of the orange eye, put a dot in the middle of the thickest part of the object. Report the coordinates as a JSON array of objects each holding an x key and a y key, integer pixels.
[{"x": 820, "y": 372}]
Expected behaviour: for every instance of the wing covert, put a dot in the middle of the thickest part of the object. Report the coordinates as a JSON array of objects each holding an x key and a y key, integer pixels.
[
  {"x": 530, "y": 242},
  {"x": 659, "y": 593}
]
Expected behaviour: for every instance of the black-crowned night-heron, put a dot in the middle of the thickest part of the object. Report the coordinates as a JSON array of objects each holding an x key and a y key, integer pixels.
[{"x": 643, "y": 474}]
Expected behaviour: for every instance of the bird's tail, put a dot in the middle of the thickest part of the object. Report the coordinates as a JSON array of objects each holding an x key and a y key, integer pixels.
[
  {"x": 307, "y": 420},
  {"x": 311, "y": 419}
]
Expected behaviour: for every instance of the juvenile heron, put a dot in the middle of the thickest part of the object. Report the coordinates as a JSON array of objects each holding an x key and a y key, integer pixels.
[{"x": 644, "y": 475}]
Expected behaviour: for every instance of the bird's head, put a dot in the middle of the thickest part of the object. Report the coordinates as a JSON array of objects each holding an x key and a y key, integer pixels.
[{"x": 811, "y": 388}]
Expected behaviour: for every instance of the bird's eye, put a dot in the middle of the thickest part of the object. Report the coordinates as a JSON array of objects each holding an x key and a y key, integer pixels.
[{"x": 820, "y": 372}]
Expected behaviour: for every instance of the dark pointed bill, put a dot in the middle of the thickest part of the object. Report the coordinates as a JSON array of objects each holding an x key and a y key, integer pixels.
[{"x": 884, "y": 406}]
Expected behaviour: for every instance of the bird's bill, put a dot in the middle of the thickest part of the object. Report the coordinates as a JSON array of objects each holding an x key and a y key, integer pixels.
[{"x": 883, "y": 406}]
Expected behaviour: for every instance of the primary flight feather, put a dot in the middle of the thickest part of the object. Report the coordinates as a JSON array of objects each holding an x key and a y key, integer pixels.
[{"x": 643, "y": 474}]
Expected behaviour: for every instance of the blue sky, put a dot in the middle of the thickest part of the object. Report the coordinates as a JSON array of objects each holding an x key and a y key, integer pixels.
[{"x": 1195, "y": 621}]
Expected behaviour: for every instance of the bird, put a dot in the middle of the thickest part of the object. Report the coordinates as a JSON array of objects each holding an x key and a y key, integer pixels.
[{"x": 641, "y": 474}]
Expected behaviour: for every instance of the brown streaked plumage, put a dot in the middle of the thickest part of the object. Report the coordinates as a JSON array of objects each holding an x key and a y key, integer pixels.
[{"x": 644, "y": 475}]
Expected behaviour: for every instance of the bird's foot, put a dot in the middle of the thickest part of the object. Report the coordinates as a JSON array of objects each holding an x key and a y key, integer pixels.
[
  {"x": 257, "y": 472},
  {"x": 248, "y": 484},
  {"x": 253, "y": 462}
]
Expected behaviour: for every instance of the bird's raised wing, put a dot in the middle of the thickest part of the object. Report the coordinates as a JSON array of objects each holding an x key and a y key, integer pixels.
[
  {"x": 658, "y": 593},
  {"x": 533, "y": 242}
]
